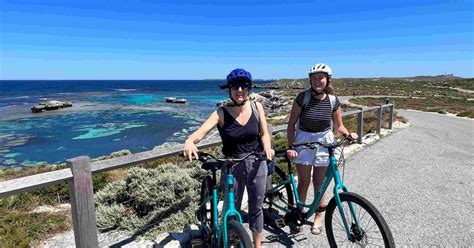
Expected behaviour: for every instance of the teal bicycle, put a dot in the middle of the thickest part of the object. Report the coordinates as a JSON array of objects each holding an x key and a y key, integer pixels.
[
  {"x": 229, "y": 232},
  {"x": 355, "y": 223}
]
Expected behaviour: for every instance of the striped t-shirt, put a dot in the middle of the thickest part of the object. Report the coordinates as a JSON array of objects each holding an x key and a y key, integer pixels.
[{"x": 317, "y": 115}]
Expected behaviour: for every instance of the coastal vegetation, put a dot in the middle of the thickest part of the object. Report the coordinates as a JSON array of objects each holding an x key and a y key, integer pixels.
[
  {"x": 123, "y": 203},
  {"x": 150, "y": 201}
]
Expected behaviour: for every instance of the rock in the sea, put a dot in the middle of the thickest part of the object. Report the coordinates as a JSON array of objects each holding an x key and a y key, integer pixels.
[{"x": 50, "y": 105}]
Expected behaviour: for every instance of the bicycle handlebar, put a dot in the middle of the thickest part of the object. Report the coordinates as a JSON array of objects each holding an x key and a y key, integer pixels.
[
  {"x": 204, "y": 156},
  {"x": 315, "y": 144}
]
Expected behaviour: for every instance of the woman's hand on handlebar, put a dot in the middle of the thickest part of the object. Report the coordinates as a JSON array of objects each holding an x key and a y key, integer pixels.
[
  {"x": 269, "y": 153},
  {"x": 190, "y": 150},
  {"x": 351, "y": 136},
  {"x": 292, "y": 154}
]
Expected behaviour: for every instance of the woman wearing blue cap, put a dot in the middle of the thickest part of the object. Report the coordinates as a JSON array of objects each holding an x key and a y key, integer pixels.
[{"x": 241, "y": 132}]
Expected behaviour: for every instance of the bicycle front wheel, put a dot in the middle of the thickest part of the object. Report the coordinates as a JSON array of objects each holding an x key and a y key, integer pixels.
[
  {"x": 206, "y": 209},
  {"x": 236, "y": 236},
  {"x": 372, "y": 230}
]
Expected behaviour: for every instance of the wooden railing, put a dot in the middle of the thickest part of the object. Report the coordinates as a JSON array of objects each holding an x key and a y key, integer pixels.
[{"x": 80, "y": 169}]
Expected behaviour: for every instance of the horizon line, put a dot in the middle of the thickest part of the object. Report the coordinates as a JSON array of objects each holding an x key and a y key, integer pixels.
[{"x": 217, "y": 79}]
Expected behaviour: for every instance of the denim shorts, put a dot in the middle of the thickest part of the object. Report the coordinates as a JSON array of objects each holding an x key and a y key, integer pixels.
[{"x": 314, "y": 157}]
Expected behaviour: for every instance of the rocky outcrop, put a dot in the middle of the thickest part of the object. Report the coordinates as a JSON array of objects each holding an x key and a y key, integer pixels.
[
  {"x": 274, "y": 102},
  {"x": 301, "y": 83},
  {"x": 175, "y": 100},
  {"x": 50, "y": 105}
]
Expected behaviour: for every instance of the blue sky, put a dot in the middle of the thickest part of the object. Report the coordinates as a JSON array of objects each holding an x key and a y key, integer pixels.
[{"x": 182, "y": 39}]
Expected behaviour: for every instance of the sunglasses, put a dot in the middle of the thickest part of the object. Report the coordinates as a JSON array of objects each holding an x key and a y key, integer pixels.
[{"x": 243, "y": 85}]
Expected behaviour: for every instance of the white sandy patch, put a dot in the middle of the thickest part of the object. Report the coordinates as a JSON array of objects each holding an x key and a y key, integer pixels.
[{"x": 52, "y": 209}]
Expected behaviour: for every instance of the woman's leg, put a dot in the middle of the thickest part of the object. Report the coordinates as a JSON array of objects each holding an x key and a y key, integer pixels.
[
  {"x": 318, "y": 176},
  {"x": 256, "y": 184},
  {"x": 257, "y": 239},
  {"x": 304, "y": 176}
]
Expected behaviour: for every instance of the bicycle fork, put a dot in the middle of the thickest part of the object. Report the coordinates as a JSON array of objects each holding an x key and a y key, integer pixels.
[
  {"x": 338, "y": 185},
  {"x": 229, "y": 208}
]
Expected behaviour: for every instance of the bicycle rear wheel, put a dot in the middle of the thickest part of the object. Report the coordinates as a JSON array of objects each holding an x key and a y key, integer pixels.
[
  {"x": 372, "y": 230},
  {"x": 237, "y": 236},
  {"x": 204, "y": 213},
  {"x": 281, "y": 196}
]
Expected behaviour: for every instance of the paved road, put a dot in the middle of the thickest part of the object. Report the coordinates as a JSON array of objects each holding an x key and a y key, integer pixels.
[{"x": 420, "y": 179}]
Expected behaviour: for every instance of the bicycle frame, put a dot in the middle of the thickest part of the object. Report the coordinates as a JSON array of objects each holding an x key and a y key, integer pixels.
[
  {"x": 331, "y": 173},
  {"x": 229, "y": 209}
]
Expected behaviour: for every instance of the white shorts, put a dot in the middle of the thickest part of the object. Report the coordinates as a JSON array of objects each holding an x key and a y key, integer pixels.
[{"x": 315, "y": 157}]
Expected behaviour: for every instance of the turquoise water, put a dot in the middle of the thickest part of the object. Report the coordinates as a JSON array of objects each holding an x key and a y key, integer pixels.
[{"x": 106, "y": 116}]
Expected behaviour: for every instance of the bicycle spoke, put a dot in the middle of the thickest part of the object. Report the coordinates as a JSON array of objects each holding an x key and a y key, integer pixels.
[
  {"x": 367, "y": 229},
  {"x": 362, "y": 218},
  {"x": 340, "y": 223},
  {"x": 344, "y": 240}
]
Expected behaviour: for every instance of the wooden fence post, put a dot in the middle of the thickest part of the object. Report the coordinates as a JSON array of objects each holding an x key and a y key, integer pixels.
[
  {"x": 82, "y": 202},
  {"x": 360, "y": 125},
  {"x": 390, "y": 119},
  {"x": 379, "y": 120}
]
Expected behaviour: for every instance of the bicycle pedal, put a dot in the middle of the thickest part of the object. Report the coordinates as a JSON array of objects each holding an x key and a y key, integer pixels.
[{"x": 280, "y": 222}]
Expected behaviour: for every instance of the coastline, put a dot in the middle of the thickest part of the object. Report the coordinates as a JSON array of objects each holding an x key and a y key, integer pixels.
[{"x": 272, "y": 100}]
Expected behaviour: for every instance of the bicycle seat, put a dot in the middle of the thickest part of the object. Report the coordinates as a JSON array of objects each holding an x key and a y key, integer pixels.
[{"x": 212, "y": 166}]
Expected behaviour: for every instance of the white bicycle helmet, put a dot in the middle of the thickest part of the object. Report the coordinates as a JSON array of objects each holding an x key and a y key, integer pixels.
[{"x": 320, "y": 68}]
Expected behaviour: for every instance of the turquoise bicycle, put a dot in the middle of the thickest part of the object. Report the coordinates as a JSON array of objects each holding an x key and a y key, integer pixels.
[
  {"x": 229, "y": 232},
  {"x": 355, "y": 223}
]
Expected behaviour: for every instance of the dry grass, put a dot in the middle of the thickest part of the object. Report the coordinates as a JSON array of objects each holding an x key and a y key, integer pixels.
[
  {"x": 7, "y": 174},
  {"x": 23, "y": 229}
]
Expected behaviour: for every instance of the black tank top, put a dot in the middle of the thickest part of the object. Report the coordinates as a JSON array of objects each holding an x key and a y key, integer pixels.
[{"x": 238, "y": 139}]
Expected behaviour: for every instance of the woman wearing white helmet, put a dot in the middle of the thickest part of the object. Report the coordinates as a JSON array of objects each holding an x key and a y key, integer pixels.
[{"x": 312, "y": 116}]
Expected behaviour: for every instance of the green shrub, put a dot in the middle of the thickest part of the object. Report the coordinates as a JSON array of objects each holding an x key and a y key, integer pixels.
[
  {"x": 112, "y": 192},
  {"x": 467, "y": 113},
  {"x": 109, "y": 217},
  {"x": 150, "y": 201},
  {"x": 280, "y": 143}
]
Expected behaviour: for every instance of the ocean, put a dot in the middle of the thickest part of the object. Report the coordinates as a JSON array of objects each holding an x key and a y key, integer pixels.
[{"x": 106, "y": 116}]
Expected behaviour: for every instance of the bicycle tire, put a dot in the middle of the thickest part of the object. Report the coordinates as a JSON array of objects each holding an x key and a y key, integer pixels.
[
  {"x": 284, "y": 195},
  {"x": 204, "y": 214},
  {"x": 237, "y": 236},
  {"x": 359, "y": 237}
]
